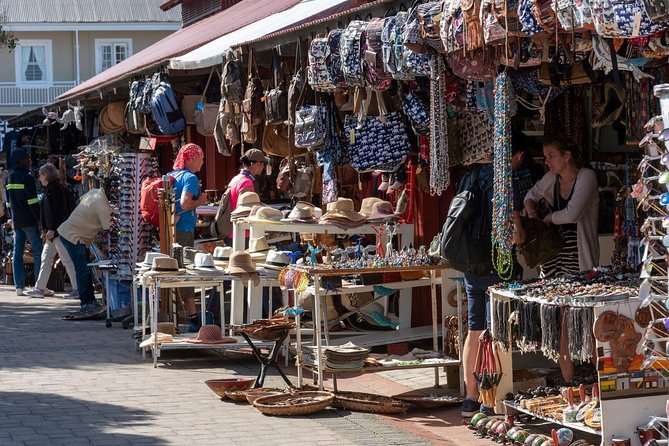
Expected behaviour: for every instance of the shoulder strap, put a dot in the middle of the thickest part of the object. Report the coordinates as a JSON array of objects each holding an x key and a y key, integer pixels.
[{"x": 206, "y": 87}]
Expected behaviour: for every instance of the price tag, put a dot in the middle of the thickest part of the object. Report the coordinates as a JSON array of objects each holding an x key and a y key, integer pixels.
[{"x": 351, "y": 136}]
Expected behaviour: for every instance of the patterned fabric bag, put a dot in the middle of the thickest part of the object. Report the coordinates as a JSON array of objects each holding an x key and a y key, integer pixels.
[
  {"x": 604, "y": 18},
  {"x": 479, "y": 65},
  {"x": 523, "y": 52},
  {"x": 493, "y": 31},
  {"x": 418, "y": 65},
  {"x": 418, "y": 113},
  {"x": 448, "y": 28},
  {"x": 376, "y": 142},
  {"x": 393, "y": 47},
  {"x": 319, "y": 74},
  {"x": 429, "y": 17},
  {"x": 477, "y": 133},
  {"x": 627, "y": 12},
  {"x": 528, "y": 21},
  {"x": 412, "y": 36},
  {"x": 351, "y": 53},
  {"x": 545, "y": 14},
  {"x": 375, "y": 70},
  {"x": 311, "y": 126},
  {"x": 333, "y": 61},
  {"x": 471, "y": 9},
  {"x": 507, "y": 17},
  {"x": 657, "y": 10},
  {"x": 566, "y": 14}
]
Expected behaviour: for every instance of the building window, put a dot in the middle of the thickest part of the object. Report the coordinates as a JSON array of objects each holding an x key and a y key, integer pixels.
[
  {"x": 109, "y": 52},
  {"x": 33, "y": 62}
]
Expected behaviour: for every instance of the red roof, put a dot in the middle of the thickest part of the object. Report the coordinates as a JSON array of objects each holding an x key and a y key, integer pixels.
[{"x": 182, "y": 41}]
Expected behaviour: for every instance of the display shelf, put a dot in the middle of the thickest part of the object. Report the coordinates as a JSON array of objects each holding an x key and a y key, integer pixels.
[
  {"x": 329, "y": 272},
  {"x": 180, "y": 343},
  {"x": 574, "y": 426},
  {"x": 447, "y": 362},
  {"x": 632, "y": 393},
  {"x": 389, "y": 337},
  {"x": 354, "y": 289}
]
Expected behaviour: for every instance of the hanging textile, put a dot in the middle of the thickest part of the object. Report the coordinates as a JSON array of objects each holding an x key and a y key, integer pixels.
[
  {"x": 439, "y": 159},
  {"x": 502, "y": 200},
  {"x": 550, "y": 333}
]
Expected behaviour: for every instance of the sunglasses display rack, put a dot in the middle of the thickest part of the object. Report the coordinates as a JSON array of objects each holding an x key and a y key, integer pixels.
[{"x": 133, "y": 236}]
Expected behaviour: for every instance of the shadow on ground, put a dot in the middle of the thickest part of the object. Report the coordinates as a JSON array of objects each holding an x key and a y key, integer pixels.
[{"x": 46, "y": 417}]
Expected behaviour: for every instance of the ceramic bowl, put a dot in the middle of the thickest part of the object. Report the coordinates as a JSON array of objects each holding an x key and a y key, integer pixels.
[{"x": 220, "y": 386}]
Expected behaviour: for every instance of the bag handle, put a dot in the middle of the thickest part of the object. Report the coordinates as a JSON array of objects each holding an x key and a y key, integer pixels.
[
  {"x": 206, "y": 87},
  {"x": 253, "y": 68},
  {"x": 276, "y": 68}
]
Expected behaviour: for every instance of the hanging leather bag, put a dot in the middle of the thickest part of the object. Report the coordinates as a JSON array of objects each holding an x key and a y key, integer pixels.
[
  {"x": 276, "y": 99},
  {"x": 205, "y": 117},
  {"x": 252, "y": 106}
]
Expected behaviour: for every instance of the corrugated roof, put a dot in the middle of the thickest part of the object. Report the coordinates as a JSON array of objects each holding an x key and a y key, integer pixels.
[
  {"x": 87, "y": 11},
  {"x": 182, "y": 41}
]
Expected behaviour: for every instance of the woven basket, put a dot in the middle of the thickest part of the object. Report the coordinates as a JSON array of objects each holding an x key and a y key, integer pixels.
[
  {"x": 280, "y": 405},
  {"x": 253, "y": 394},
  {"x": 237, "y": 395},
  {"x": 428, "y": 401},
  {"x": 368, "y": 402}
]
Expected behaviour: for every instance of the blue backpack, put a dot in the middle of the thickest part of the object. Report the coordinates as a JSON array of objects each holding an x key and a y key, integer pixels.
[{"x": 165, "y": 107}]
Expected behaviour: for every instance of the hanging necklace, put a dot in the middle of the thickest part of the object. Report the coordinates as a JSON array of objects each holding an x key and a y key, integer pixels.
[
  {"x": 439, "y": 162},
  {"x": 502, "y": 201}
]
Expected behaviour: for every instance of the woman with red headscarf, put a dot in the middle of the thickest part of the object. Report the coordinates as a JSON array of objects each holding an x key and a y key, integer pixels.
[{"x": 187, "y": 189}]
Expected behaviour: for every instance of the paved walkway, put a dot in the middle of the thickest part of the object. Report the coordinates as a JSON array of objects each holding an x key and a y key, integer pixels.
[{"x": 79, "y": 383}]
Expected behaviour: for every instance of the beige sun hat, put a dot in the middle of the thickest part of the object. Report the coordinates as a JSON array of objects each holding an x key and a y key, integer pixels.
[
  {"x": 246, "y": 202},
  {"x": 164, "y": 266},
  {"x": 342, "y": 209},
  {"x": 266, "y": 214},
  {"x": 258, "y": 248},
  {"x": 241, "y": 265},
  {"x": 367, "y": 204}
]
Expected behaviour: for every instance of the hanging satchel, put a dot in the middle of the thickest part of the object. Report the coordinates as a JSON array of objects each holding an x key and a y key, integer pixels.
[
  {"x": 275, "y": 140},
  {"x": 135, "y": 122},
  {"x": 418, "y": 112},
  {"x": 351, "y": 55},
  {"x": 575, "y": 73},
  {"x": 310, "y": 123},
  {"x": 205, "y": 117},
  {"x": 376, "y": 142},
  {"x": 479, "y": 65},
  {"x": 276, "y": 99},
  {"x": 252, "y": 106}
]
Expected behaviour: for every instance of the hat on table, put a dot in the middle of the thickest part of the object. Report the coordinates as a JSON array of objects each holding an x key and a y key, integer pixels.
[
  {"x": 211, "y": 334},
  {"x": 276, "y": 260},
  {"x": 303, "y": 212},
  {"x": 258, "y": 248},
  {"x": 382, "y": 212},
  {"x": 148, "y": 260},
  {"x": 266, "y": 214},
  {"x": 164, "y": 266},
  {"x": 246, "y": 202},
  {"x": 203, "y": 265},
  {"x": 222, "y": 255},
  {"x": 242, "y": 265},
  {"x": 366, "y": 206},
  {"x": 342, "y": 209}
]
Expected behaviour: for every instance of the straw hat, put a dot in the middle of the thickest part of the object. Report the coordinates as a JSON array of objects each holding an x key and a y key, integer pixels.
[
  {"x": 242, "y": 265},
  {"x": 342, "y": 209},
  {"x": 382, "y": 212},
  {"x": 266, "y": 214},
  {"x": 222, "y": 255},
  {"x": 245, "y": 202},
  {"x": 258, "y": 247},
  {"x": 276, "y": 260},
  {"x": 112, "y": 117},
  {"x": 148, "y": 260},
  {"x": 303, "y": 212},
  {"x": 366, "y": 206},
  {"x": 164, "y": 266},
  {"x": 203, "y": 265},
  {"x": 211, "y": 334}
]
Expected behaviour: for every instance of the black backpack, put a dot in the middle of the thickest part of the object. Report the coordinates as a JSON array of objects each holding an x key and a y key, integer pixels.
[
  {"x": 233, "y": 80},
  {"x": 465, "y": 236}
]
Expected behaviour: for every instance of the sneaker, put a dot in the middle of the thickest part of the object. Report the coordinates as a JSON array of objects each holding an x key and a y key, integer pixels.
[
  {"x": 91, "y": 308},
  {"x": 20, "y": 292},
  {"x": 49, "y": 293},
  {"x": 470, "y": 407},
  {"x": 35, "y": 293},
  {"x": 488, "y": 411},
  {"x": 71, "y": 295}
]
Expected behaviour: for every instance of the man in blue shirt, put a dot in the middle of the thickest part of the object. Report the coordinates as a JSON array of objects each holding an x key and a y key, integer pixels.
[{"x": 188, "y": 197}]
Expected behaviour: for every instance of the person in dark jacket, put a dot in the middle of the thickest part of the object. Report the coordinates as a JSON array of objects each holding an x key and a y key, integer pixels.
[
  {"x": 24, "y": 210},
  {"x": 56, "y": 205}
]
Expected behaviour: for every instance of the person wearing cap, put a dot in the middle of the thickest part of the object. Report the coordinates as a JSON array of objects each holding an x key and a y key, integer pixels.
[
  {"x": 24, "y": 210},
  {"x": 253, "y": 163},
  {"x": 189, "y": 161},
  {"x": 76, "y": 233}
]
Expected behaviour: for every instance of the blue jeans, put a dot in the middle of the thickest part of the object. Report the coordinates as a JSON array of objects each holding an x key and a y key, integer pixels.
[
  {"x": 79, "y": 256},
  {"x": 31, "y": 233},
  {"x": 478, "y": 300}
]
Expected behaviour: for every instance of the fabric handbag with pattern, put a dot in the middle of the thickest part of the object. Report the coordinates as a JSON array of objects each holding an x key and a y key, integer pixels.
[
  {"x": 493, "y": 31},
  {"x": 429, "y": 17},
  {"x": 632, "y": 19},
  {"x": 393, "y": 48},
  {"x": 417, "y": 110},
  {"x": 318, "y": 72},
  {"x": 528, "y": 22},
  {"x": 545, "y": 14},
  {"x": 412, "y": 36},
  {"x": 375, "y": 70},
  {"x": 479, "y": 65},
  {"x": 507, "y": 16},
  {"x": 252, "y": 106},
  {"x": 471, "y": 9},
  {"x": 351, "y": 56},
  {"x": 376, "y": 142},
  {"x": 523, "y": 52},
  {"x": 334, "y": 60},
  {"x": 657, "y": 10}
]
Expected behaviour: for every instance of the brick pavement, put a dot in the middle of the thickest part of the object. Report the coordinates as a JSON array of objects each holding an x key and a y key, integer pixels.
[{"x": 79, "y": 383}]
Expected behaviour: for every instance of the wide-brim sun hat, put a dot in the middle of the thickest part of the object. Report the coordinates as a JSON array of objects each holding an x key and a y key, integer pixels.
[
  {"x": 342, "y": 209},
  {"x": 164, "y": 266}
]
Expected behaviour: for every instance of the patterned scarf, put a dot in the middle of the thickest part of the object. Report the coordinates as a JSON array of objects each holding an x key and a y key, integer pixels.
[{"x": 187, "y": 153}]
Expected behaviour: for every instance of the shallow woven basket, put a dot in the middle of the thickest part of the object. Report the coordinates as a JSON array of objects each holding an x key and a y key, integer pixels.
[
  {"x": 268, "y": 404},
  {"x": 368, "y": 402},
  {"x": 253, "y": 394},
  {"x": 428, "y": 401},
  {"x": 237, "y": 395}
]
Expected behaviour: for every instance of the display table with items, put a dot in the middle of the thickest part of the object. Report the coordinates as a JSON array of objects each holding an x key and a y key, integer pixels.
[
  {"x": 326, "y": 357},
  {"x": 595, "y": 317}
]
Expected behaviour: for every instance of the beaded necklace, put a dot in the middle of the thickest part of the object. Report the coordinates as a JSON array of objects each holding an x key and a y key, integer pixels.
[
  {"x": 502, "y": 201},
  {"x": 439, "y": 160}
]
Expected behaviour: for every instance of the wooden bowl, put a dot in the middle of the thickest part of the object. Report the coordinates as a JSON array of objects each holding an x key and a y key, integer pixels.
[
  {"x": 220, "y": 386},
  {"x": 254, "y": 394}
]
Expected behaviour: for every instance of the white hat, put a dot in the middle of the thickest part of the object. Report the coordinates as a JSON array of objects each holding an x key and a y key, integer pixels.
[
  {"x": 203, "y": 265},
  {"x": 222, "y": 255},
  {"x": 276, "y": 260},
  {"x": 258, "y": 248},
  {"x": 148, "y": 260}
]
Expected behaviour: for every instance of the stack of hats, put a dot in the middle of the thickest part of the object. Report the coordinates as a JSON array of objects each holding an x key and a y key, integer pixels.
[
  {"x": 204, "y": 265},
  {"x": 382, "y": 212},
  {"x": 367, "y": 204},
  {"x": 112, "y": 118},
  {"x": 347, "y": 356},
  {"x": 342, "y": 214},
  {"x": 258, "y": 248},
  {"x": 245, "y": 203},
  {"x": 303, "y": 212},
  {"x": 241, "y": 265},
  {"x": 161, "y": 265}
]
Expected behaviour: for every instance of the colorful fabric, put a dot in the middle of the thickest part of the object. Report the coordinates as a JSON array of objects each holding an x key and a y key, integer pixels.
[{"x": 187, "y": 153}]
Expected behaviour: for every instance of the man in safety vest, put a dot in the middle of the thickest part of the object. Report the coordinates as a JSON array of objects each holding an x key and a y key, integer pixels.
[{"x": 24, "y": 212}]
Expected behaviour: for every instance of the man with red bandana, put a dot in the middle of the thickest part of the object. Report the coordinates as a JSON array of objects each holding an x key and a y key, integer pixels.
[{"x": 188, "y": 197}]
